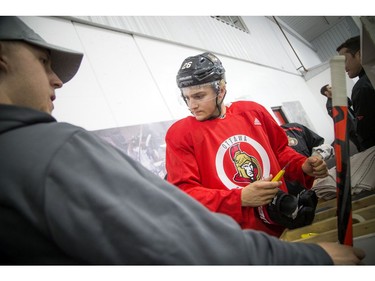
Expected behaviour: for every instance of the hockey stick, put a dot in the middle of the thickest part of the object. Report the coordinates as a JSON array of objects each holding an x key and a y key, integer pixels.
[{"x": 343, "y": 181}]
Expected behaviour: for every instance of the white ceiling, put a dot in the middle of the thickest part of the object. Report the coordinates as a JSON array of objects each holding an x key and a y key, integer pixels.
[{"x": 311, "y": 27}]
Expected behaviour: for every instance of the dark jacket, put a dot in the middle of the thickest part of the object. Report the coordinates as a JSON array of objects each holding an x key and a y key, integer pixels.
[
  {"x": 363, "y": 97},
  {"x": 329, "y": 107},
  {"x": 301, "y": 138},
  {"x": 68, "y": 197}
]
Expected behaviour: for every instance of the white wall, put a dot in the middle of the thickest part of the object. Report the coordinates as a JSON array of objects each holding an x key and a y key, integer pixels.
[
  {"x": 264, "y": 44},
  {"x": 130, "y": 79}
]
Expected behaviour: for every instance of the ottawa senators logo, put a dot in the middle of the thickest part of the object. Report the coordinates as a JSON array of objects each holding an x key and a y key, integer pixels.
[
  {"x": 292, "y": 141},
  {"x": 248, "y": 168},
  {"x": 241, "y": 160}
]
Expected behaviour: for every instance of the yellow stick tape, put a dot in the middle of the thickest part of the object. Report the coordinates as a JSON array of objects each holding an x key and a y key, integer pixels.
[{"x": 279, "y": 175}]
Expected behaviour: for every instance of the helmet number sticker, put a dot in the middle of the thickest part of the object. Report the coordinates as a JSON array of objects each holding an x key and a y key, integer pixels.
[{"x": 186, "y": 65}]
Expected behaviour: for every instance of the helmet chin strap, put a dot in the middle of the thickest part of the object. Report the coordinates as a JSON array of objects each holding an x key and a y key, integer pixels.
[{"x": 218, "y": 106}]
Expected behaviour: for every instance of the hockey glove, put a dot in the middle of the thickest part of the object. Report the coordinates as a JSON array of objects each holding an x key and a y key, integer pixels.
[{"x": 290, "y": 211}]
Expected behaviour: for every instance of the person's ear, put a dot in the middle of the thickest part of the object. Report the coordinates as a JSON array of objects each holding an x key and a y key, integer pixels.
[
  {"x": 222, "y": 91},
  {"x": 1, "y": 52},
  {"x": 2, "y": 57},
  {"x": 358, "y": 54}
]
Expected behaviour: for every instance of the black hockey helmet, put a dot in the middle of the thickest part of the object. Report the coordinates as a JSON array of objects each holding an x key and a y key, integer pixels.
[{"x": 200, "y": 69}]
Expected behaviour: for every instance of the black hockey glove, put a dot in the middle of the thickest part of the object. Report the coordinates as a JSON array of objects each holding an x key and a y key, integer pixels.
[{"x": 291, "y": 211}]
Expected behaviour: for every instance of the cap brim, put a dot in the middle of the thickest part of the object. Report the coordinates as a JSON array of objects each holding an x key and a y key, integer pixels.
[{"x": 65, "y": 62}]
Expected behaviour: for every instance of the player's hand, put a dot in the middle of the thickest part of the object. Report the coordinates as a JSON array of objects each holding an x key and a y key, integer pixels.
[
  {"x": 342, "y": 254},
  {"x": 315, "y": 166},
  {"x": 260, "y": 192}
]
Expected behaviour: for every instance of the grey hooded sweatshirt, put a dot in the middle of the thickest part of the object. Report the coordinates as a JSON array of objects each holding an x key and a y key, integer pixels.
[{"x": 68, "y": 197}]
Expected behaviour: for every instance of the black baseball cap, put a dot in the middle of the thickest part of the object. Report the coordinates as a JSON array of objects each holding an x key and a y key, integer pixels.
[{"x": 64, "y": 62}]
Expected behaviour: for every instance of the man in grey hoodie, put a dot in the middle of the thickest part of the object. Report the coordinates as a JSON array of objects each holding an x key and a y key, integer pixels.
[{"x": 67, "y": 197}]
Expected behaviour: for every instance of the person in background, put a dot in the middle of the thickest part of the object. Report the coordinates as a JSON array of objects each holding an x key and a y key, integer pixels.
[
  {"x": 363, "y": 93},
  {"x": 68, "y": 197},
  {"x": 225, "y": 156},
  {"x": 362, "y": 166},
  {"x": 326, "y": 91}
]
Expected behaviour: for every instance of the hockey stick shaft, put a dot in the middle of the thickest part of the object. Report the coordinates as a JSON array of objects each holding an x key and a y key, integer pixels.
[{"x": 343, "y": 180}]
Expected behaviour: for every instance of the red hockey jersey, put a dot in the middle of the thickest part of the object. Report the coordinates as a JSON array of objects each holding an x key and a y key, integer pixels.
[{"x": 213, "y": 160}]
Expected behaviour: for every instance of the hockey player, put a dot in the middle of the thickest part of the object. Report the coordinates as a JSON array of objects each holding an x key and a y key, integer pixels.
[{"x": 225, "y": 155}]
